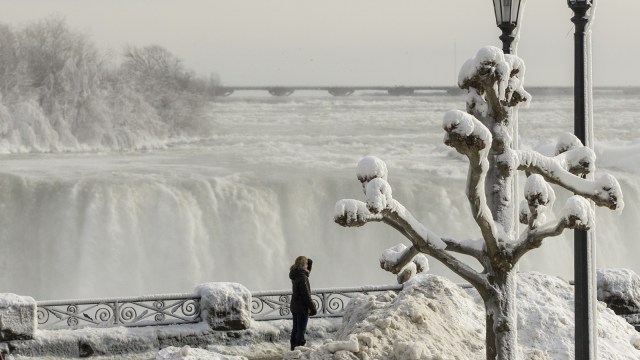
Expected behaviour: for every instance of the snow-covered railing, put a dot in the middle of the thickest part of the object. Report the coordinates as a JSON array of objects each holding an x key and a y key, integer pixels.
[
  {"x": 126, "y": 311},
  {"x": 272, "y": 305},
  {"x": 185, "y": 308}
]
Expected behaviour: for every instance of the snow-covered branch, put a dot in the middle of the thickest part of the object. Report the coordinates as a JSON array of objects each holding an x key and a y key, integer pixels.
[
  {"x": 604, "y": 191},
  {"x": 404, "y": 262},
  {"x": 495, "y": 83},
  {"x": 396, "y": 258},
  {"x": 576, "y": 214},
  {"x": 380, "y": 206},
  {"x": 471, "y": 138},
  {"x": 473, "y": 248},
  {"x": 574, "y": 156},
  {"x": 539, "y": 197},
  {"x": 352, "y": 213},
  {"x": 424, "y": 241}
]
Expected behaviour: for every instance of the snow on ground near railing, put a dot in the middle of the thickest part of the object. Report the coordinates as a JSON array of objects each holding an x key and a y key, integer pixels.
[{"x": 431, "y": 318}]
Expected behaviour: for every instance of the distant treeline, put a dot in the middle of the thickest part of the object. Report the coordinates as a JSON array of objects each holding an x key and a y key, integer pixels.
[{"x": 58, "y": 92}]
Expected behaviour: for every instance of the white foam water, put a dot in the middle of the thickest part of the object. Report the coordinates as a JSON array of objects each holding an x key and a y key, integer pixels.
[{"x": 239, "y": 204}]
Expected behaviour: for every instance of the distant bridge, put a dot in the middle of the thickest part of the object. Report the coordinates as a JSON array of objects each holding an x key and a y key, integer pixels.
[
  {"x": 337, "y": 90},
  {"x": 410, "y": 90}
]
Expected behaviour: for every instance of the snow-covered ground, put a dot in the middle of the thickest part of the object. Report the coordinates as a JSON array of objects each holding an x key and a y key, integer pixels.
[{"x": 431, "y": 318}]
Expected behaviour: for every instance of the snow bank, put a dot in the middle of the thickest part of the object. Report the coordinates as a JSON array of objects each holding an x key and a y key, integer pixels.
[
  {"x": 620, "y": 290},
  {"x": 546, "y": 322},
  {"x": 188, "y": 353},
  {"x": 264, "y": 339},
  {"x": 415, "y": 324},
  {"x": 432, "y": 318}
]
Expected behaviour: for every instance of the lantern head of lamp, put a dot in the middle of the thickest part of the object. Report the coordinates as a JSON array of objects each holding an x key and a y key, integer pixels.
[
  {"x": 507, "y": 19},
  {"x": 587, "y": 3}
]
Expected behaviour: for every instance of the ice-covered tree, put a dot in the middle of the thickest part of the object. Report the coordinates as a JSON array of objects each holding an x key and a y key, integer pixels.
[
  {"x": 59, "y": 92},
  {"x": 483, "y": 134},
  {"x": 177, "y": 93}
]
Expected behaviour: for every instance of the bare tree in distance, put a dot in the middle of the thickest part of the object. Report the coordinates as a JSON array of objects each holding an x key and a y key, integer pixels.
[{"x": 483, "y": 134}]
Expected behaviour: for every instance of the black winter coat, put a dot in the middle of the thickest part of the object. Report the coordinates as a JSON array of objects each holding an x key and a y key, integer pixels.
[{"x": 301, "y": 297}]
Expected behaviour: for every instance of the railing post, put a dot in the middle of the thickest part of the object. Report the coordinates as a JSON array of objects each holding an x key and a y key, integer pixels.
[
  {"x": 324, "y": 303},
  {"x": 116, "y": 313},
  {"x": 18, "y": 317},
  {"x": 225, "y": 306}
]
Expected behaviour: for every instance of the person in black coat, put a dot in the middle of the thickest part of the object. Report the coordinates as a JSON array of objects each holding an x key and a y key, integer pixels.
[{"x": 301, "y": 304}]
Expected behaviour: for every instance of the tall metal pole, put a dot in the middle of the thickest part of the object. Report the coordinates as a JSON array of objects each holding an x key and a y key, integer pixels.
[{"x": 585, "y": 342}]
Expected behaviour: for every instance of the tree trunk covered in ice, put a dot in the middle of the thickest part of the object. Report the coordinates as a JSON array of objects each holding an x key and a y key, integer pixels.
[
  {"x": 484, "y": 135},
  {"x": 500, "y": 309}
]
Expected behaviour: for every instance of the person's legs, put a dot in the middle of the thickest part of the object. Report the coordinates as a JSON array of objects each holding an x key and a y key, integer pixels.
[
  {"x": 299, "y": 327},
  {"x": 294, "y": 331},
  {"x": 303, "y": 319}
]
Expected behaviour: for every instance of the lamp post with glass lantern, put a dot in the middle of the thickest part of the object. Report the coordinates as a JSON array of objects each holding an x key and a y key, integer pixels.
[
  {"x": 583, "y": 247},
  {"x": 507, "y": 19}
]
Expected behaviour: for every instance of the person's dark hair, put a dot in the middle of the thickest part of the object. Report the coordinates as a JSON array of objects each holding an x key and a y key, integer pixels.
[{"x": 299, "y": 263}]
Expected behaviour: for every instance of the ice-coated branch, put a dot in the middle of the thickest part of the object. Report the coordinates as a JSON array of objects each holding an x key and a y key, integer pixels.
[
  {"x": 495, "y": 83},
  {"x": 473, "y": 248},
  {"x": 404, "y": 262},
  {"x": 369, "y": 168},
  {"x": 352, "y": 213},
  {"x": 539, "y": 197},
  {"x": 380, "y": 206},
  {"x": 532, "y": 238},
  {"x": 430, "y": 244},
  {"x": 470, "y": 137},
  {"x": 570, "y": 155},
  {"x": 576, "y": 214},
  {"x": 380, "y": 201},
  {"x": 396, "y": 258},
  {"x": 604, "y": 191}
]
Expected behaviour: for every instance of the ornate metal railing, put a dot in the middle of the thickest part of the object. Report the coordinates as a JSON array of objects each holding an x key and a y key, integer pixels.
[
  {"x": 131, "y": 311},
  {"x": 185, "y": 308},
  {"x": 272, "y": 305}
]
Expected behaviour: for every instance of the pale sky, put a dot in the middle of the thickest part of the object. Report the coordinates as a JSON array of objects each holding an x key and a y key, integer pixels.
[{"x": 348, "y": 42}]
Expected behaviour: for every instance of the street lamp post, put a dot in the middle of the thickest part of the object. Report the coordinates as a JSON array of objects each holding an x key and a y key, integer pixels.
[
  {"x": 583, "y": 264},
  {"x": 507, "y": 20}
]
